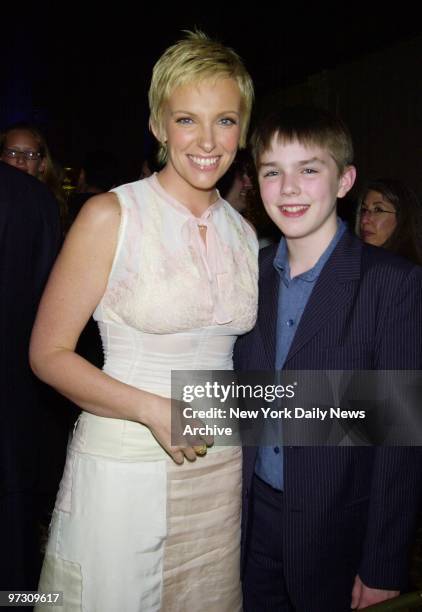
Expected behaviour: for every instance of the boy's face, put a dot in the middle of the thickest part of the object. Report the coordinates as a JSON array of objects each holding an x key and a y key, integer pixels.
[{"x": 299, "y": 186}]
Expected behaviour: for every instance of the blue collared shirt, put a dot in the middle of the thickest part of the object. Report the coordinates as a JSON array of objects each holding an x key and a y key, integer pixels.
[{"x": 293, "y": 296}]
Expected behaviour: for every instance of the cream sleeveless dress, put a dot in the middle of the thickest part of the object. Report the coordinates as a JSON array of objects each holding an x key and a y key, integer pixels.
[{"x": 131, "y": 530}]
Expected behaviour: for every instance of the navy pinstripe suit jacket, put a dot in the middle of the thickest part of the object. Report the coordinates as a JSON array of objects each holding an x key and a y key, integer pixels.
[{"x": 349, "y": 510}]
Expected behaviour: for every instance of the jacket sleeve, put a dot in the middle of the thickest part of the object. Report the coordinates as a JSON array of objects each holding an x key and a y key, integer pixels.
[{"x": 397, "y": 474}]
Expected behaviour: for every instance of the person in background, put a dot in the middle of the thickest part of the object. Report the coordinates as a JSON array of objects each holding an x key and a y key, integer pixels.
[
  {"x": 145, "y": 169},
  {"x": 29, "y": 241},
  {"x": 150, "y": 162},
  {"x": 390, "y": 216},
  {"x": 169, "y": 270},
  {"x": 236, "y": 183},
  {"x": 24, "y": 146},
  {"x": 239, "y": 187}
]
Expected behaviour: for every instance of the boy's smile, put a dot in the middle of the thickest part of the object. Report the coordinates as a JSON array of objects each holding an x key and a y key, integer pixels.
[
  {"x": 299, "y": 187},
  {"x": 293, "y": 210}
]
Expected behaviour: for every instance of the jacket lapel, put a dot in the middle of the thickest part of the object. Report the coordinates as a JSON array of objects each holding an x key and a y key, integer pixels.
[
  {"x": 334, "y": 289},
  {"x": 269, "y": 281}
]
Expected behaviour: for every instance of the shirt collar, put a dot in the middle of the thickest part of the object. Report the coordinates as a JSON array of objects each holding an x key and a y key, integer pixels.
[{"x": 281, "y": 260}]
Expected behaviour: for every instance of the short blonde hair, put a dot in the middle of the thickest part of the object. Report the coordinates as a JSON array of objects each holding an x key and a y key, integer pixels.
[{"x": 192, "y": 60}]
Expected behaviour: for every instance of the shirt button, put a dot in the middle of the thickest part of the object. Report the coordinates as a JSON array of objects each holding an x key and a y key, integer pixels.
[
  {"x": 290, "y": 322},
  {"x": 276, "y": 450}
]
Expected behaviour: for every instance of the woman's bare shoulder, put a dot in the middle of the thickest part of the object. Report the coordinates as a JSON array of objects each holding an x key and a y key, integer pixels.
[
  {"x": 95, "y": 230},
  {"x": 101, "y": 210}
]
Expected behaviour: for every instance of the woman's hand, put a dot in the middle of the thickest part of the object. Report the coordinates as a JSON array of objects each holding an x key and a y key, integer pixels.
[{"x": 166, "y": 422}]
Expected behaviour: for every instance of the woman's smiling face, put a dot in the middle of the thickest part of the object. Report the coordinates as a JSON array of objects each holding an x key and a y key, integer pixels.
[{"x": 201, "y": 129}]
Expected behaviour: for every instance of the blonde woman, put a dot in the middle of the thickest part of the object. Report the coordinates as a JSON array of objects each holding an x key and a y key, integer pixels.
[{"x": 169, "y": 270}]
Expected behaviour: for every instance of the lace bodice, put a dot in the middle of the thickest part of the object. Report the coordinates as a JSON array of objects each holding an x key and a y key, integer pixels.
[
  {"x": 164, "y": 279},
  {"x": 172, "y": 301}
]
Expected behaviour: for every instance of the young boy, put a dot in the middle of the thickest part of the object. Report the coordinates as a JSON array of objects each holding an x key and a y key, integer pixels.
[{"x": 325, "y": 528}]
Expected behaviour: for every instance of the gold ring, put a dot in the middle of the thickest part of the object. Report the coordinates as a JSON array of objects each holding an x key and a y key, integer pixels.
[{"x": 200, "y": 450}]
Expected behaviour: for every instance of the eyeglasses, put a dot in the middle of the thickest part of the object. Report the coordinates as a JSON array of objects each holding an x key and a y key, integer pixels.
[
  {"x": 375, "y": 211},
  {"x": 28, "y": 155}
]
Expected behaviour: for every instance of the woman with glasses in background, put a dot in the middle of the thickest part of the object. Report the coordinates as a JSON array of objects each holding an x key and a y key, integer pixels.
[
  {"x": 23, "y": 146},
  {"x": 390, "y": 216}
]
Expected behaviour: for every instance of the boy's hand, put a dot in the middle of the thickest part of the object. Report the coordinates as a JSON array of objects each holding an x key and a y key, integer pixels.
[{"x": 363, "y": 596}]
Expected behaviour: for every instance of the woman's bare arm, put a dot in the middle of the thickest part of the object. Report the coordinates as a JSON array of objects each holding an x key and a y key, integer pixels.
[{"x": 75, "y": 287}]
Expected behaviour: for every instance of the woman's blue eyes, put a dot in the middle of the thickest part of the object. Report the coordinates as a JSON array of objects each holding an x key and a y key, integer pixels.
[
  {"x": 225, "y": 121},
  {"x": 228, "y": 121}
]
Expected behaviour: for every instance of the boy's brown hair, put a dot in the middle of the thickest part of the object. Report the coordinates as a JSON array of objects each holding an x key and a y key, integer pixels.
[{"x": 310, "y": 126}]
